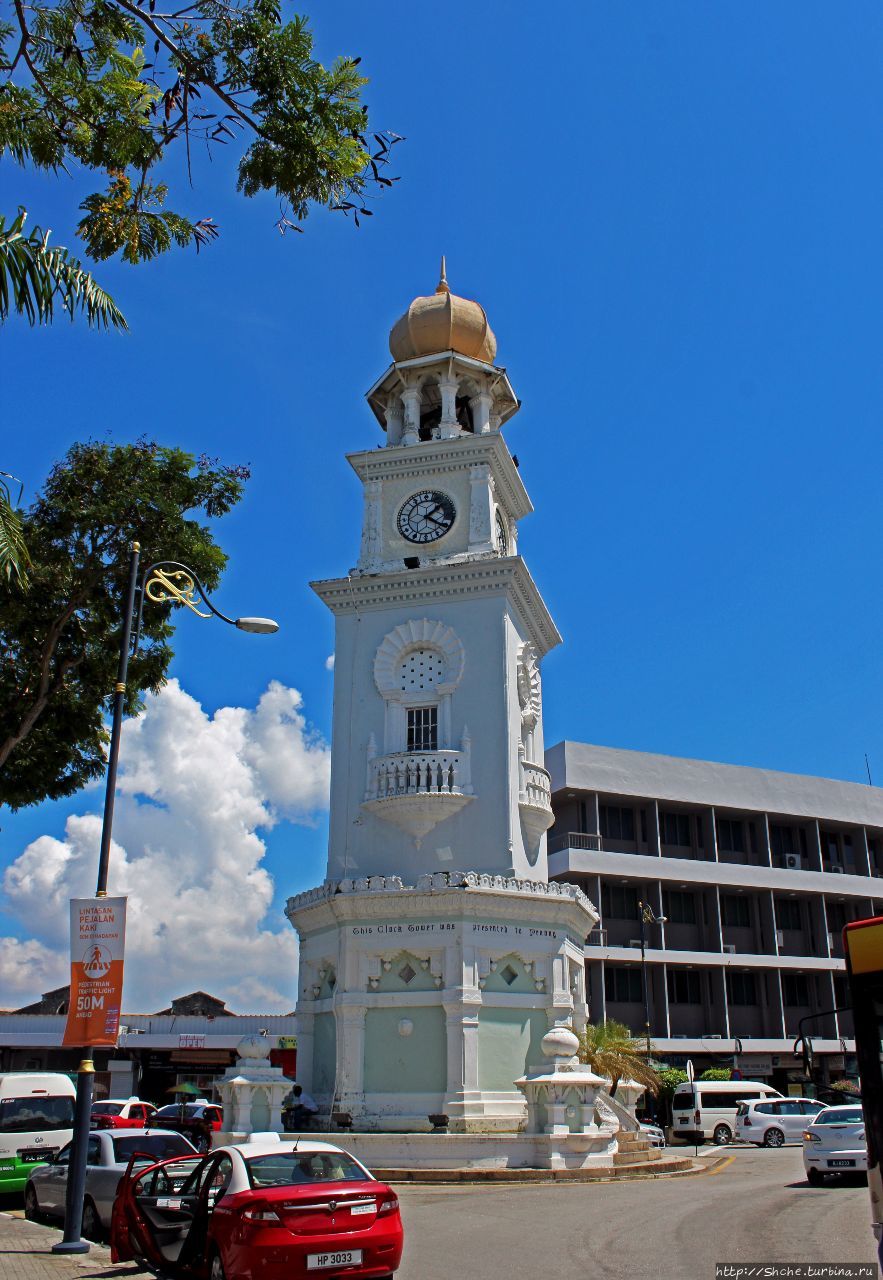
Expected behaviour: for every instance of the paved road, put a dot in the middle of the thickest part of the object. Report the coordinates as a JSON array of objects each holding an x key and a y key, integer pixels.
[{"x": 758, "y": 1208}]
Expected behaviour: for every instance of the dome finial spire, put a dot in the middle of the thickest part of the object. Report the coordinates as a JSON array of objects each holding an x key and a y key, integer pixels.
[{"x": 442, "y": 286}]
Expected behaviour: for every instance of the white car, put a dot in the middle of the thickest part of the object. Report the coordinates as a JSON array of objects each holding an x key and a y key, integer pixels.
[
  {"x": 774, "y": 1121},
  {"x": 835, "y": 1143},
  {"x": 107, "y": 1158}
]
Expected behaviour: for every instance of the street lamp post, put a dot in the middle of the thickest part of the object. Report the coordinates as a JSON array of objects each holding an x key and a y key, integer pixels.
[
  {"x": 646, "y": 916},
  {"x": 165, "y": 582}
]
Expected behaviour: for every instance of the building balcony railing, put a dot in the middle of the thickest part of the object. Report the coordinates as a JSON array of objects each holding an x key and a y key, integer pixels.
[{"x": 575, "y": 840}]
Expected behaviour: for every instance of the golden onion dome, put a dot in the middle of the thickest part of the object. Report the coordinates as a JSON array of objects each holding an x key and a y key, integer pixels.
[{"x": 443, "y": 322}]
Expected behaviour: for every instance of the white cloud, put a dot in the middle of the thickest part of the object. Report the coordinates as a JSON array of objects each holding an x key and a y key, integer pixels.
[
  {"x": 194, "y": 792},
  {"x": 27, "y": 969},
  {"x": 329, "y": 662}
]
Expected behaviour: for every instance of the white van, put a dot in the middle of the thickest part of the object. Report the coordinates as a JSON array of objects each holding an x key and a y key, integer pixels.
[
  {"x": 36, "y": 1120},
  {"x": 707, "y": 1108}
]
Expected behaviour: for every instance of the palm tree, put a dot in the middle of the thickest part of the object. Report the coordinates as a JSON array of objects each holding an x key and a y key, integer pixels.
[
  {"x": 611, "y": 1051},
  {"x": 33, "y": 277}
]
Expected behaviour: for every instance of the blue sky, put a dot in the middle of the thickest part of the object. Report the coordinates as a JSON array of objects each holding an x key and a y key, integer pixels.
[{"x": 672, "y": 213}]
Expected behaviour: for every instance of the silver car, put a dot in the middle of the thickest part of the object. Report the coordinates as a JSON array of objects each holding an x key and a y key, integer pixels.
[
  {"x": 772, "y": 1122},
  {"x": 107, "y": 1159},
  {"x": 653, "y": 1133}
]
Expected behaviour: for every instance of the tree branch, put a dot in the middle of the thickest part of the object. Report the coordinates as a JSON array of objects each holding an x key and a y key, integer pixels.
[{"x": 157, "y": 30}]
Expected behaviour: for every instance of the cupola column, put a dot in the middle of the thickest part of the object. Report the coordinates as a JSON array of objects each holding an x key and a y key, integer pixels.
[
  {"x": 449, "y": 427},
  {"x": 481, "y": 406},
  {"x": 411, "y": 401},
  {"x": 395, "y": 419}
]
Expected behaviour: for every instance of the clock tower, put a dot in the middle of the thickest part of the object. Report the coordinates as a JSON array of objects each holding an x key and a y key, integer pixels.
[{"x": 439, "y": 799}]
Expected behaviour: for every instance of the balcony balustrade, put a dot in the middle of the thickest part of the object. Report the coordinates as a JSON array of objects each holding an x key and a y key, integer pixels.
[
  {"x": 535, "y": 802},
  {"x": 415, "y": 790},
  {"x": 418, "y": 772}
]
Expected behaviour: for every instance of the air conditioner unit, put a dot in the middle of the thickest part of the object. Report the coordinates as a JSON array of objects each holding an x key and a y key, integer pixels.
[
  {"x": 635, "y": 942},
  {"x": 793, "y": 861},
  {"x": 730, "y": 948},
  {"x": 712, "y": 1037},
  {"x": 780, "y": 938},
  {"x": 838, "y": 871}
]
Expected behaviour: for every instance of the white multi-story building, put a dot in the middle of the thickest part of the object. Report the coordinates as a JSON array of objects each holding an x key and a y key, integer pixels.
[{"x": 755, "y": 873}]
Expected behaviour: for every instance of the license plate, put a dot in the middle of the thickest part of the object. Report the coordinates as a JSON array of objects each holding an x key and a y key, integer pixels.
[
  {"x": 31, "y": 1157},
  {"x": 343, "y": 1258},
  {"x": 362, "y": 1208},
  {"x": 841, "y": 1164}
]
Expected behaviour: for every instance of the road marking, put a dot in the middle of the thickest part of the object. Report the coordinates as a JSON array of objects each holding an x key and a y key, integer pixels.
[{"x": 723, "y": 1165}]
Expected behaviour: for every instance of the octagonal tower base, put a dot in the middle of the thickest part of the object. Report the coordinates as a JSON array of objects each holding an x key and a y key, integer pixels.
[{"x": 420, "y": 1006}]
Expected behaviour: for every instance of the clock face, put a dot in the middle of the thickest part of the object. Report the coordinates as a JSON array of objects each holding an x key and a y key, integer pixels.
[
  {"x": 502, "y": 536},
  {"x": 426, "y": 516}
]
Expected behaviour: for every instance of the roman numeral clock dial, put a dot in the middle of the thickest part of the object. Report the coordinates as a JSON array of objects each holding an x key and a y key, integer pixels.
[{"x": 426, "y": 516}]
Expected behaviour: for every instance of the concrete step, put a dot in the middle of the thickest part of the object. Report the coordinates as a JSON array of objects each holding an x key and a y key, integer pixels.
[{"x": 637, "y": 1157}]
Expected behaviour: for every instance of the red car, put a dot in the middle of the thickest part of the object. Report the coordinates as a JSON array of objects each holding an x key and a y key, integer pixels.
[
  {"x": 122, "y": 1113},
  {"x": 196, "y": 1120},
  {"x": 262, "y": 1210}
]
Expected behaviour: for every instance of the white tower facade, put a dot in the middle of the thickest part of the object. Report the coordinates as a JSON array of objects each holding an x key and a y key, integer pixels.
[{"x": 439, "y": 799}]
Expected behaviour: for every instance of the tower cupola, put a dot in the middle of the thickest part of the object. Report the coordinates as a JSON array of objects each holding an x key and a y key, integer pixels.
[
  {"x": 443, "y": 322},
  {"x": 443, "y": 383}
]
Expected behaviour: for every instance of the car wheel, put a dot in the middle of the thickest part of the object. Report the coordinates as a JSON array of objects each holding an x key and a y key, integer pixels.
[
  {"x": 815, "y": 1177},
  {"x": 774, "y": 1138},
  {"x": 92, "y": 1228},
  {"x": 722, "y": 1135},
  {"x": 216, "y": 1271},
  {"x": 32, "y": 1205}
]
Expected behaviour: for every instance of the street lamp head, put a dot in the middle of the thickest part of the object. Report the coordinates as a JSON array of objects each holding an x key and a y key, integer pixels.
[{"x": 257, "y": 626}]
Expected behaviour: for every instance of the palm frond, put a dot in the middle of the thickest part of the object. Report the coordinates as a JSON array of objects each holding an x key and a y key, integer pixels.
[
  {"x": 14, "y": 557},
  {"x": 611, "y": 1051},
  {"x": 34, "y": 277}
]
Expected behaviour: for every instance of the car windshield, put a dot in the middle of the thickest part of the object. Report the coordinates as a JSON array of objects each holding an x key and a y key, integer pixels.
[
  {"x": 289, "y": 1168},
  {"x": 27, "y": 1115},
  {"x": 107, "y": 1109},
  {"x": 845, "y": 1115},
  {"x": 154, "y": 1146},
  {"x": 174, "y": 1111}
]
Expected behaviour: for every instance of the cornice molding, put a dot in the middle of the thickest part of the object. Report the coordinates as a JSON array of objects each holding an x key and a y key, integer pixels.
[
  {"x": 443, "y": 894},
  {"x": 445, "y": 456},
  {"x": 415, "y": 587}
]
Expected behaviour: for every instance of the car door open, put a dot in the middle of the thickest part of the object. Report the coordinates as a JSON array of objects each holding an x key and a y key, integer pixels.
[{"x": 154, "y": 1211}]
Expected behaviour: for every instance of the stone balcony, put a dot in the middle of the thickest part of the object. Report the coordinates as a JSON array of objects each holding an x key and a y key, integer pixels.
[
  {"x": 535, "y": 801},
  {"x": 415, "y": 790}
]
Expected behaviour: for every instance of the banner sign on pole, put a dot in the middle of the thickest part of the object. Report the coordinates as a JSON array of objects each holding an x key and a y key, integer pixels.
[{"x": 98, "y": 936}]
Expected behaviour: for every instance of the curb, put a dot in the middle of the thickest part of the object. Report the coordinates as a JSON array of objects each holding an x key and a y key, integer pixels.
[{"x": 491, "y": 1177}]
